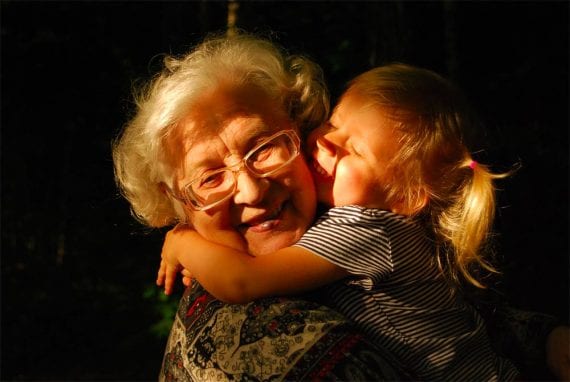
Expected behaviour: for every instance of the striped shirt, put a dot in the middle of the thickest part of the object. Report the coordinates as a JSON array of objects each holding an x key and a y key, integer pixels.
[{"x": 399, "y": 298}]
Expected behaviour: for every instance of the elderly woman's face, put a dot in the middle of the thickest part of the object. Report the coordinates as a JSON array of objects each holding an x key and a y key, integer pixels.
[{"x": 264, "y": 214}]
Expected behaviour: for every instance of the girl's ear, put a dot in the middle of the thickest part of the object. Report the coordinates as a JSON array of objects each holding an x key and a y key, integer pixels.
[
  {"x": 163, "y": 188},
  {"x": 420, "y": 202}
]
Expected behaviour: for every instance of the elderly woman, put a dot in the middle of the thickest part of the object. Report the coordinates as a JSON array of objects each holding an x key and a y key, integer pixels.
[
  {"x": 232, "y": 114},
  {"x": 212, "y": 118}
]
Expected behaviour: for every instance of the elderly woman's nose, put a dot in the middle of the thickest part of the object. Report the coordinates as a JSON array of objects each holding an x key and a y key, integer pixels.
[{"x": 250, "y": 189}]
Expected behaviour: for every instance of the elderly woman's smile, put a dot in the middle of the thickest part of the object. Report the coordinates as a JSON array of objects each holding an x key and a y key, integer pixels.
[{"x": 263, "y": 221}]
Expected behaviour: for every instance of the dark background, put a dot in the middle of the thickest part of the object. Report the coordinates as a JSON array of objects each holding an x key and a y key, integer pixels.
[{"x": 78, "y": 294}]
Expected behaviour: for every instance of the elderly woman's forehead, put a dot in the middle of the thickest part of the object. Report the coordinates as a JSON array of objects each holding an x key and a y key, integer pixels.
[
  {"x": 235, "y": 133},
  {"x": 228, "y": 117},
  {"x": 228, "y": 98}
]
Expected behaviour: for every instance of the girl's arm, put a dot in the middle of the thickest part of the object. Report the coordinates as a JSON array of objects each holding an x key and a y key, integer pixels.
[{"x": 237, "y": 277}]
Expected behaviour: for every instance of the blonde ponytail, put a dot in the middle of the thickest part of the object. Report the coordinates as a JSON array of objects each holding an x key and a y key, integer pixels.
[{"x": 465, "y": 224}]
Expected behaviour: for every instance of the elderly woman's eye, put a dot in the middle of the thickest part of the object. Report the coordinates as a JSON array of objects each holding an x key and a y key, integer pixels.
[
  {"x": 212, "y": 180},
  {"x": 263, "y": 153}
]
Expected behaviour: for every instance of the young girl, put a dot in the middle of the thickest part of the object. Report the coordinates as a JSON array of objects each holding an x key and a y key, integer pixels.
[{"x": 411, "y": 212}]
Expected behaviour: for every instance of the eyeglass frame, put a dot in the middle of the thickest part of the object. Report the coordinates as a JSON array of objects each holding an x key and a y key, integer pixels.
[{"x": 237, "y": 168}]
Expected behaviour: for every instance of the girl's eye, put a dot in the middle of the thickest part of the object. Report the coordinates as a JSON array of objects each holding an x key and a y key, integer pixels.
[
  {"x": 329, "y": 126},
  {"x": 355, "y": 149}
]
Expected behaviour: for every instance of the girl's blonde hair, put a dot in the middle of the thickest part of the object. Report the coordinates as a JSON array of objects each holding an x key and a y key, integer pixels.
[
  {"x": 433, "y": 173},
  {"x": 140, "y": 154}
]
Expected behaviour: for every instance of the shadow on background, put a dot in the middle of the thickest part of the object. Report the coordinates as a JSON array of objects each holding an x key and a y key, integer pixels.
[{"x": 78, "y": 294}]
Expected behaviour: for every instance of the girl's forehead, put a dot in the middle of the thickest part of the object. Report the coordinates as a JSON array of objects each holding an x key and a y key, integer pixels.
[
  {"x": 352, "y": 104},
  {"x": 352, "y": 101}
]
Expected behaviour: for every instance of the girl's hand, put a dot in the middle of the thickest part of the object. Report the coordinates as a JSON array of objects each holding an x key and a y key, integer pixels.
[
  {"x": 186, "y": 277},
  {"x": 177, "y": 246},
  {"x": 172, "y": 249},
  {"x": 167, "y": 275}
]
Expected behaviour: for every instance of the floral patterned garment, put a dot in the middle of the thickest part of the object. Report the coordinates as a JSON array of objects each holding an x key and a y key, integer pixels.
[{"x": 272, "y": 339}]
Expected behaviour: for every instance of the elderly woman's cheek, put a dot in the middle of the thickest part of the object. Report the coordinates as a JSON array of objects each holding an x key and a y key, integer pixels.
[
  {"x": 297, "y": 188},
  {"x": 304, "y": 193}
]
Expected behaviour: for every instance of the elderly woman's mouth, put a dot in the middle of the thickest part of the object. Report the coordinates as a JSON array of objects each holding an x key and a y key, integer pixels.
[
  {"x": 319, "y": 173},
  {"x": 266, "y": 221}
]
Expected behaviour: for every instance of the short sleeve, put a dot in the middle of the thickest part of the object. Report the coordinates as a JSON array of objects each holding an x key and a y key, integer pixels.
[{"x": 353, "y": 240}]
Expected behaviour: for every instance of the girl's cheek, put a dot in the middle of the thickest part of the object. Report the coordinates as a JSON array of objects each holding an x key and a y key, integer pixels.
[
  {"x": 350, "y": 186},
  {"x": 347, "y": 177}
]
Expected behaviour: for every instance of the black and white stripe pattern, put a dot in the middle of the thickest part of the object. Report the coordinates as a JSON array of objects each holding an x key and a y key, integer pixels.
[{"x": 399, "y": 298}]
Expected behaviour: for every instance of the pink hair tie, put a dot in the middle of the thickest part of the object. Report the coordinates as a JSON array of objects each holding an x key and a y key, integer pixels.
[{"x": 472, "y": 165}]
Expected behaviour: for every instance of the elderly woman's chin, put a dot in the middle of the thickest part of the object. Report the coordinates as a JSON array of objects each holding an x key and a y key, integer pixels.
[
  {"x": 259, "y": 246},
  {"x": 282, "y": 230}
]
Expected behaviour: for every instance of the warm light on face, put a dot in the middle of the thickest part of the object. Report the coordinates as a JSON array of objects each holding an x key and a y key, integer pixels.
[
  {"x": 243, "y": 179},
  {"x": 351, "y": 154}
]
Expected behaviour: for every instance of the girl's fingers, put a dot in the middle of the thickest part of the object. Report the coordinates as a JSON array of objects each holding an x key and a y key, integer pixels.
[
  {"x": 185, "y": 272},
  {"x": 161, "y": 273}
]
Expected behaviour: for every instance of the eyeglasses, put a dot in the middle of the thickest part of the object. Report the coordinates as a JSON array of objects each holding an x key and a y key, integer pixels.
[{"x": 265, "y": 159}]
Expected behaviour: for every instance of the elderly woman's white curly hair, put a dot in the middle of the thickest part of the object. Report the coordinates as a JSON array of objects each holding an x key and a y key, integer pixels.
[{"x": 139, "y": 153}]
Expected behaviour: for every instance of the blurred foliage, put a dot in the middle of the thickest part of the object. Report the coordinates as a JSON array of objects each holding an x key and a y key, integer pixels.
[
  {"x": 78, "y": 299},
  {"x": 165, "y": 308}
]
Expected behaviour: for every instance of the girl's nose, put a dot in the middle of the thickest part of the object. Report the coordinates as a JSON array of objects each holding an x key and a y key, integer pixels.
[
  {"x": 325, "y": 146},
  {"x": 250, "y": 189},
  {"x": 325, "y": 153}
]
